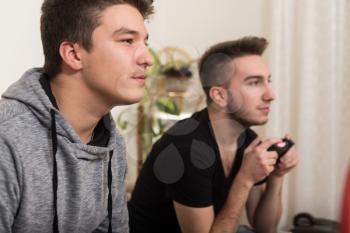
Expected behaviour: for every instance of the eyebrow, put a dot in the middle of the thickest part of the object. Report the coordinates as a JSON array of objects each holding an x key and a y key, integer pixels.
[
  {"x": 124, "y": 30},
  {"x": 256, "y": 77}
]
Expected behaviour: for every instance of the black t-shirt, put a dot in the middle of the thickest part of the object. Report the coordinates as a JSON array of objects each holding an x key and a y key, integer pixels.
[
  {"x": 185, "y": 166},
  {"x": 100, "y": 134}
]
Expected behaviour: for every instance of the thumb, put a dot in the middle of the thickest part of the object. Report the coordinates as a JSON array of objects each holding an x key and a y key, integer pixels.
[
  {"x": 269, "y": 142},
  {"x": 288, "y": 136}
]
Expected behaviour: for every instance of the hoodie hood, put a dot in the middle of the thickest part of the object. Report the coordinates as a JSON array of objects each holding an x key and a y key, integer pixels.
[{"x": 28, "y": 91}]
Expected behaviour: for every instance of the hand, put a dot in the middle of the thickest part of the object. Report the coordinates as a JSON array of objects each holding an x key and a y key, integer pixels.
[
  {"x": 257, "y": 161},
  {"x": 287, "y": 161}
]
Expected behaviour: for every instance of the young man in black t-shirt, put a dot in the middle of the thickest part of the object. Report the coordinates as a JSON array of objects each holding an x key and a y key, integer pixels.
[{"x": 199, "y": 176}]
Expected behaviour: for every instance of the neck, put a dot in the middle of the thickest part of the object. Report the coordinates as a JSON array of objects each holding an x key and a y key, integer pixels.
[
  {"x": 78, "y": 105},
  {"x": 226, "y": 129}
]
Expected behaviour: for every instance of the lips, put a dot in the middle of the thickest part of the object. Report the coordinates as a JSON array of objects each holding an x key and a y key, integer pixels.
[
  {"x": 140, "y": 79},
  {"x": 265, "y": 109}
]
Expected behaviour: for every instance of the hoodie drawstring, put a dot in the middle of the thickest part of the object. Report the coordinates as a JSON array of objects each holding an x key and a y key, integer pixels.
[
  {"x": 55, "y": 183},
  {"x": 110, "y": 192},
  {"x": 54, "y": 177}
]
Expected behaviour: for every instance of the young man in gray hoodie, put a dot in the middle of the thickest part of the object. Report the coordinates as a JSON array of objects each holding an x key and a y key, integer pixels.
[{"x": 62, "y": 161}]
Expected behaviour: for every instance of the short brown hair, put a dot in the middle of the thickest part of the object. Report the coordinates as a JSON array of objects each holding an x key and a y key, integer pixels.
[
  {"x": 215, "y": 64},
  {"x": 74, "y": 21}
]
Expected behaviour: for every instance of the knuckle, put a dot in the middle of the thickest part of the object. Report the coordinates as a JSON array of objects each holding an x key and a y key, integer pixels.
[
  {"x": 258, "y": 150},
  {"x": 261, "y": 160}
]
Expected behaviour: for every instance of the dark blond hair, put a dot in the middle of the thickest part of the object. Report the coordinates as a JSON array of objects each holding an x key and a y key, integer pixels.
[{"x": 215, "y": 66}]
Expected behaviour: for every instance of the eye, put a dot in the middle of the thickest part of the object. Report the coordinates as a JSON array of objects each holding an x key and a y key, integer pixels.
[
  {"x": 254, "y": 83},
  {"x": 127, "y": 41}
]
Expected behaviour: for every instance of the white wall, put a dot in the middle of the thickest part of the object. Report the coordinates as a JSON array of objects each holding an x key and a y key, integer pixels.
[
  {"x": 195, "y": 25},
  {"x": 20, "y": 43}
]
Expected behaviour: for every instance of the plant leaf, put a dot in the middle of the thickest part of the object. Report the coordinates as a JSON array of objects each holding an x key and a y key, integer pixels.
[{"x": 167, "y": 105}]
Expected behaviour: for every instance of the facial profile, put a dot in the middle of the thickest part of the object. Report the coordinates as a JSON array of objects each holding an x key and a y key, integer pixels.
[
  {"x": 249, "y": 93},
  {"x": 115, "y": 68}
]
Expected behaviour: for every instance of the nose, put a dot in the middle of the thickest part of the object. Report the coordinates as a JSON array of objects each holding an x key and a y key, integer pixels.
[
  {"x": 144, "y": 57},
  {"x": 269, "y": 94}
]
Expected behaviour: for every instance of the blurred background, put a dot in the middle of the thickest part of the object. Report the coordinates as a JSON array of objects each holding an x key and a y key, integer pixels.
[{"x": 308, "y": 56}]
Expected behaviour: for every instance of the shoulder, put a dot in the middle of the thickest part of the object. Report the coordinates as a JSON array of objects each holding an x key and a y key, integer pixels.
[
  {"x": 16, "y": 120},
  {"x": 190, "y": 126},
  {"x": 10, "y": 109},
  {"x": 21, "y": 131},
  {"x": 185, "y": 131},
  {"x": 188, "y": 157},
  {"x": 185, "y": 137}
]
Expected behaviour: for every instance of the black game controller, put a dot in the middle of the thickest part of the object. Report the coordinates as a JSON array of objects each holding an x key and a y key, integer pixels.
[
  {"x": 283, "y": 149},
  {"x": 280, "y": 152}
]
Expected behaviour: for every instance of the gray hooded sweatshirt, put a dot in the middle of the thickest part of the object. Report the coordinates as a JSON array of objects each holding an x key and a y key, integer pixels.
[{"x": 28, "y": 143}]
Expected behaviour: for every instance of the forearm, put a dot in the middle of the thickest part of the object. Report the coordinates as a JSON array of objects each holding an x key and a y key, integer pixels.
[
  {"x": 269, "y": 209},
  {"x": 227, "y": 220}
]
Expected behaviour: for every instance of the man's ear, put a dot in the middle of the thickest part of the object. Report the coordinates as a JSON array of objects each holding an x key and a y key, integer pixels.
[
  {"x": 70, "y": 55},
  {"x": 219, "y": 96}
]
